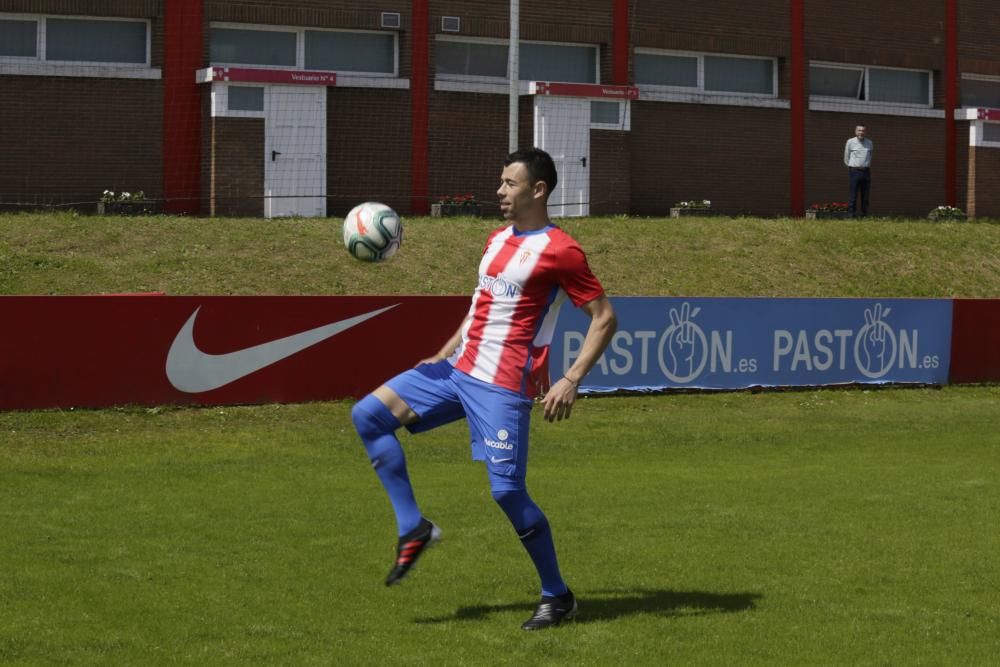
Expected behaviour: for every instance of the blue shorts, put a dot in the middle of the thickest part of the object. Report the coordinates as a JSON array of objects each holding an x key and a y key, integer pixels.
[{"x": 498, "y": 418}]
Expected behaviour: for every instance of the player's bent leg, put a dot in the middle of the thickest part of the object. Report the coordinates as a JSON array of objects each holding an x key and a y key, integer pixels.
[
  {"x": 397, "y": 406},
  {"x": 410, "y": 547},
  {"x": 558, "y": 603},
  {"x": 420, "y": 399},
  {"x": 376, "y": 425}
]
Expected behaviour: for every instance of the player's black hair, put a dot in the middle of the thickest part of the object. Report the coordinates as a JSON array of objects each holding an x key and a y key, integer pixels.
[{"x": 540, "y": 166}]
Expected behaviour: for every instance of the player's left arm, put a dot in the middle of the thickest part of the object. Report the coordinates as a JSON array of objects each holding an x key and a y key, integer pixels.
[{"x": 561, "y": 396}]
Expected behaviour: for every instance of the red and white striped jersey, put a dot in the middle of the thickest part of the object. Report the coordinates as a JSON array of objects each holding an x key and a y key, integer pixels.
[{"x": 523, "y": 280}]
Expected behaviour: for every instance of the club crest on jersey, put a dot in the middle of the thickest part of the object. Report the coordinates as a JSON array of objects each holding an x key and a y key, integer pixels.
[
  {"x": 499, "y": 285},
  {"x": 525, "y": 256}
]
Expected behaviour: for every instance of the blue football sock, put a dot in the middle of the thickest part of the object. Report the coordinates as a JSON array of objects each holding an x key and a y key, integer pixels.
[
  {"x": 533, "y": 529},
  {"x": 376, "y": 425}
]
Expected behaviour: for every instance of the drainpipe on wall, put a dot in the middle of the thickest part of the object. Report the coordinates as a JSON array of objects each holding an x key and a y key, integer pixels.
[
  {"x": 797, "y": 110},
  {"x": 950, "y": 101},
  {"x": 420, "y": 111},
  {"x": 513, "y": 69}
]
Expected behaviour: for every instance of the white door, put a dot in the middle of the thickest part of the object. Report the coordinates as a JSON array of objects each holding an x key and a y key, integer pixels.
[
  {"x": 562, "y": 129},
  {"x": 295, "y": 151}
]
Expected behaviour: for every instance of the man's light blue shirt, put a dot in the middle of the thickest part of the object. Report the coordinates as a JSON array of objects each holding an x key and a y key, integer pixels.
[{"x": 858, "y": 153}]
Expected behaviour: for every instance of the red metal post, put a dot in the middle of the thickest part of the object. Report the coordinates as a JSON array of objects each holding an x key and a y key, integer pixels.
[
  {"x": 182, "y": 111},
  {"x": 620, "y": 48}
]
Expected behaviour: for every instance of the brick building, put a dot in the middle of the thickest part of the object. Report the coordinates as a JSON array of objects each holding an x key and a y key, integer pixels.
[{"x": 308, "y": 107}]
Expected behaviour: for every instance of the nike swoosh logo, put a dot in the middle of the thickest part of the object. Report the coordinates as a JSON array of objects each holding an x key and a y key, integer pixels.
[
  {"x": 192, "y": 371},
  {"x": 495, "y": 460}
]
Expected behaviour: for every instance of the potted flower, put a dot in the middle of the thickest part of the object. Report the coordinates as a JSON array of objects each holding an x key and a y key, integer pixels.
[
  {"x": 828, "y": 210},
  {"x": 126, "y": 203},
  {"x": 947, "y": 213},
  {"x": 452, "y": 205},
  {"x": 693, "y": 207}
]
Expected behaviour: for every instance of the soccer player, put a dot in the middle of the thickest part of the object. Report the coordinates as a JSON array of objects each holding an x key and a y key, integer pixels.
[{"x": 490, "y": 370}]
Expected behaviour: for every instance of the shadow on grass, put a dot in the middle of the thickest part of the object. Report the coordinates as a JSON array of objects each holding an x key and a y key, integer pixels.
[{"x": 607, "y": 605}]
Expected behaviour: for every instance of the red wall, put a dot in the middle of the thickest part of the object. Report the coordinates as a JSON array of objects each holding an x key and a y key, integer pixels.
[
  {"x": 975, "y": 341},
  {"x": 100, "y": 351},
  {"x": 88, "y": 351}
]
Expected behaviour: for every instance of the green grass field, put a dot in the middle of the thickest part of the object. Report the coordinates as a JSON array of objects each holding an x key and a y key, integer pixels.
[
  {"x": 798, "y": 528},
  {"x": 819, "y": 527},
  {"x": 67, "y": 254}
]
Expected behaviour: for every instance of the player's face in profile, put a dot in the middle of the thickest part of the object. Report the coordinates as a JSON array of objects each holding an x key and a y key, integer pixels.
[{"x": 516, "y": 193}]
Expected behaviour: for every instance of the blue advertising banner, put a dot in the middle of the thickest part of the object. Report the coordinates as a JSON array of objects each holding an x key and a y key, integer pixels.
[{"x": 727, "y": 343}]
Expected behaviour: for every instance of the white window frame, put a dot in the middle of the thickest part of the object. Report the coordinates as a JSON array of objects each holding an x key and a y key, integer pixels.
[
  {"x": 299, "y": 46},
  {"x": 473, "y": 78},
  {"x": 38, "y": 65},
  {"x": 846, "y": 104},
  {"x": 395, "y": 51},
  {"x": 220, "y": 100},
  {"x": 977, "y": 130},
  {"x": 699, "y": 68},
  {"x": 979, "y": 77},
  {"x": 300, "y": 49},
  {"x": 862, "y": 83},
  {"x": 930, "y": 86},
  {"x": 106, "y": 19},
  {"x": 700, "y": 88},
  {"x": 983, "y": 142},
  {"x": 39, "y": 32},
  {"x": 498, "y": 84},
  {"x": 624, "y": 115},
  {"x": 595, "y": 47}
]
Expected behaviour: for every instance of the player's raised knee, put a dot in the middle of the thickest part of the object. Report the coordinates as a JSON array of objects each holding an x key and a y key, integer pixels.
[{"x": 372, "y": 418}]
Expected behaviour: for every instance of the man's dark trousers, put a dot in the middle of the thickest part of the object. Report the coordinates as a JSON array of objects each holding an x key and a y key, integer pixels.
[{"x": 861, "y": 181}]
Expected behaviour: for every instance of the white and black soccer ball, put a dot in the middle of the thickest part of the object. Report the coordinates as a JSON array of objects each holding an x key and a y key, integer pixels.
[{"x": 372, "y": 232}]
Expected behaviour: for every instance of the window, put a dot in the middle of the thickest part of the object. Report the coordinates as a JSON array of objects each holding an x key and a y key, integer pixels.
[
  {"x": 707, "y": 73},
  {"x": 253, "y": 47},
  {"x": 246, "y": 98},
  {"x": 361, "y": 52},
  {"x": 558, "y": 62},
  {"x": 572, "y": 63},
  {"x": 991, "y": 132},
  {"x": 471, "y": 58},
  {"x": 666, "y": 70},
  {"x": 981, "y": 93},
  {"x": 739, "y": 75},
  {"x": 605, "y": 113},
  {"x": 837, "y": 81},
  {"x": 18, "y": 39},
  {"x": 898, "y": 86},
  {"x": 872, "y": 84},
  {"x": 351, "y": 51},
  {"x": 61, "y": 39},
  {"x": 96, "y": 41}
]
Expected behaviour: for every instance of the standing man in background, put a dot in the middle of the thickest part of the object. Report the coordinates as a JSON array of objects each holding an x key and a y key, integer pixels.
[{"x": 858, "y": 158}]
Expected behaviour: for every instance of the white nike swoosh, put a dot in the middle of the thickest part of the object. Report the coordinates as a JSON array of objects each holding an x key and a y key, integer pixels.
[
  {"x": 495, "y": 460},
  {"x": 192, "y": 371}
]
